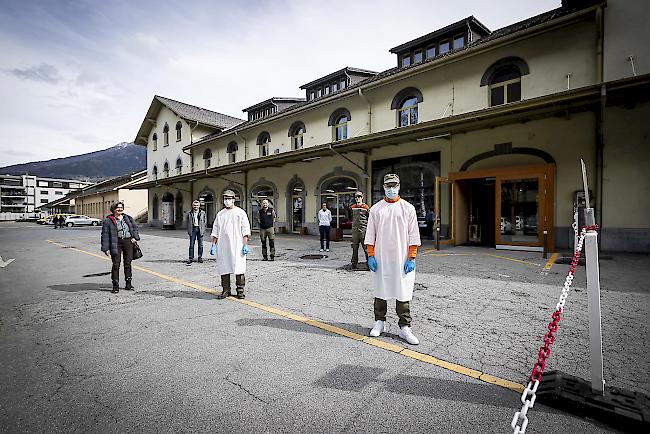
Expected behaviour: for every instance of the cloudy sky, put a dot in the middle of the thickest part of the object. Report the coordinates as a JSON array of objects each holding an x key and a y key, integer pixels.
[{"x": 78, "y": 75}]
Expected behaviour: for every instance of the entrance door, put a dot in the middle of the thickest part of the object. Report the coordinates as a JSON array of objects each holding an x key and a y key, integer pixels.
[
  {"x": 518, "y": 210},
  {"x": 444, "y": 210}
]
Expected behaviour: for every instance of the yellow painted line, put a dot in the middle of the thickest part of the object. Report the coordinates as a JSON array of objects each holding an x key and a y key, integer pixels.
[
  {"x": 512, "y": 259},
  {"x": 550, "y": 262},
  {"x": 459, "y": 369}
]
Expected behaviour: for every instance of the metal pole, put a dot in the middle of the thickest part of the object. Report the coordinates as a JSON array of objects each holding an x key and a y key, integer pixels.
[
  {"x": 593, "y": 299},
  {"x": 545, "y": 245}
]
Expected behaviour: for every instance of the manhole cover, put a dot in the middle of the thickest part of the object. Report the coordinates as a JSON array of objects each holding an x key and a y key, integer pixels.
[{"x": 313, "y": 257}]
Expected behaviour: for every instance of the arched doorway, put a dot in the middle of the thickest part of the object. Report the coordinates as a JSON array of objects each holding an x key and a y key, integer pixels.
[
  {"x": 207, "y": 203},
  {"x": 338, "y": 193},
  {"x": 258, "y": 194},
  {"x": 168, "y": 211},
  {"x": 154, "y": 208},
  {"x": 297, "y": 191},
  {"x": 179, "y": 209}
]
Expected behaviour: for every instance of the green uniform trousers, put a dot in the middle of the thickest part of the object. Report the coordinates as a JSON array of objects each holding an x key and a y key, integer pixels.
[
  {"x": 240, "y": 281},
  {"x": 270, "y": 235},
  {"x": 403, "y": 309},
  {"x": 357, "y": 238}
]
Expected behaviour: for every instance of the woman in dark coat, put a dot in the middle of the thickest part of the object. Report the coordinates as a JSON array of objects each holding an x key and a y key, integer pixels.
[{"x": 119, "y": 234}]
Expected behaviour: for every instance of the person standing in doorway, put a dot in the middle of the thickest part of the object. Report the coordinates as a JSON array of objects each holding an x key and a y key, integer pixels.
[
  {"x": 392, "y": 239},
  {"x": 119, "y": 234},
  {"x": 265, "y": 219},
  {"x": 196, "y": 222},
  {"x": 230, "y": 233},
  {"x": 360, "y": 212},
  {"x": 324, "y": 223}
]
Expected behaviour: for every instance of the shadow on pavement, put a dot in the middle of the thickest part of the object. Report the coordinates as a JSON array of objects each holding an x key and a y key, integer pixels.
[
  {"x": 105, "y": 273},
  {"x": 78, "y": 287},
  {"x": 178, "y": 294},
  {"x": 282, "y": 324}
]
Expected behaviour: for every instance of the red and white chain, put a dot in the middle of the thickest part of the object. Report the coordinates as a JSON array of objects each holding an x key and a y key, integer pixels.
[{"x": 528, "y": 397}]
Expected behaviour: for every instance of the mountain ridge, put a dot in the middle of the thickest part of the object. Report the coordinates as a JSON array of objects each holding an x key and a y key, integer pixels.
[{"x": 120, "y": 159}]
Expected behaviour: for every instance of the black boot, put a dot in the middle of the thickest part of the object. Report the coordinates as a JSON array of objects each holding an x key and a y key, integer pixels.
[
  {"x": 128, "y": 286},
  {"x": 116, "y": 288},
  {"x": 225, "y": 293}
]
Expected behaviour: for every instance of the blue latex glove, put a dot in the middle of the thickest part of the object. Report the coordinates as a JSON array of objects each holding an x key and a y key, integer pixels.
[
  {"x": 244, "y": 250},
  {"x": 409, "y": 266},
  {"x": 372, "y": 263},
  {"x": 213, "y": 249}
]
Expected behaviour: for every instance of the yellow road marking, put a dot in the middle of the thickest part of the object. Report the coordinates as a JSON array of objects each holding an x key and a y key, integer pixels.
[
  {"x": 512, "y": 259},
  {"x": 550, "y": 263},
  {"x": 459, "y": 369}
]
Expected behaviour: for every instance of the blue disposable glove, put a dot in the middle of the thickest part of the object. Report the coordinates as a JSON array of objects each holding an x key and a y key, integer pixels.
[
  {"x": 409, "y": 266},
  {"x": 372, "y": 263},
  {"x": 244, "y": 250},
  {"x": 213, "y": 249}
]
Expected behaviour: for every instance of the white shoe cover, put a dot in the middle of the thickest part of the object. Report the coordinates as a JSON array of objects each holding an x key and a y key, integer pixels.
[
  {"x": 378, "y": 329},
  {"x": 406, "y": 334}
]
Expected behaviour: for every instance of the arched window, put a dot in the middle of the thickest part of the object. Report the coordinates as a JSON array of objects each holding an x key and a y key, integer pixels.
[
  {"x": 154, "y": 172},
  {"x": 258, "y": 194},
  {"x": 154, "y": 138},
  {"x": 263, "y": 141},
  {"x": 232, "y": 152},
  {"x": 179, "y": 127},
  {"x": 406, "y": 103},
  {"x": 339, "y": 122},
  {"x": 338, "y": 193},
  {"x": 296, "y": 131},
  {"x": 503, "y": 79},
  {"x": 207, "y": 156},
  {"x": 179, "y": 166},
  {"x": 166, "y": 169},
  {"x": 166, "y": 134}
]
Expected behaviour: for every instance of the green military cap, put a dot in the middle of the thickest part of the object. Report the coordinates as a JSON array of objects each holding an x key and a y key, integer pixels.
[{"x": 229, "y": 193}]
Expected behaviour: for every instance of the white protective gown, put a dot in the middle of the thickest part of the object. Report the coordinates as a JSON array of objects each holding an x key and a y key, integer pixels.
[
  {"x": 392, "y": 228},
  {"x": 230, "y": 226}
]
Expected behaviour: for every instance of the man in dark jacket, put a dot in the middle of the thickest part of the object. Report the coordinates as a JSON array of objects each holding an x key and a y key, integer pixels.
[
  {"x": 196, "y": 222},
  {"x": 266, "y": 218},
  {"x": 119, "y": 234}
]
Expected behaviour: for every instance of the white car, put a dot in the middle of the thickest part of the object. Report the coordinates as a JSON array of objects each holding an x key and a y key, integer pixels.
[{"x": 81, "y": 220}]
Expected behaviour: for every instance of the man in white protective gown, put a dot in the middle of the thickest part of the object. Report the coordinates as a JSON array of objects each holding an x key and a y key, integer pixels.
[
  {"x": 392, "y": 239},
  {"x": 230, "y": 233}
]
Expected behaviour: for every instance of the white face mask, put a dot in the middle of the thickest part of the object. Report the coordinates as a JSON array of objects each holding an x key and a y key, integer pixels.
[
  {"x": 228, "y": 203},
  {"x": 391, "y": 192}
]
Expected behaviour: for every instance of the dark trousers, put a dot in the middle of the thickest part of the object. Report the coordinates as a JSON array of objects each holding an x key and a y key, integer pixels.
[
  {"x": 402, "y": 308},
  {"x": 240, "y": 281},
  {"x": 267, "y": 234},
  {"x": 324, "y": 235},
  {"x": 124, "y": 248},
  {"x": 196, "y": 236},
  {"x": 357, "y": 238}
]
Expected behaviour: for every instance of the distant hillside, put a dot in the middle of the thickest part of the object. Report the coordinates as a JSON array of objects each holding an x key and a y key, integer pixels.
[{"x": 94, "y": 166}]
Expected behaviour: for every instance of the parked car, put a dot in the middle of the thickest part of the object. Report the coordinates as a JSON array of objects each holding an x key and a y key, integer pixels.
[
  {"x": 81, "y": 220},
  {"x": 506, "y": 226},
  {"x": 530, "y": 227}
]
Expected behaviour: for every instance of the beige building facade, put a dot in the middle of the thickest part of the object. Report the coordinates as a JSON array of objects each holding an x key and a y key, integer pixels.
[
  {"x": 96, "y": 201},
  {"x": 485, "y": 128}
]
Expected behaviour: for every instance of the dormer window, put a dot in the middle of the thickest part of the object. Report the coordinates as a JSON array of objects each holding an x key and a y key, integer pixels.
[
  {"x": 459, "y": 41},
  {"x": 335, "y": 87},
  {"x": 431, "y": 52},
  {"x": 232, "y": 152},
  {"x": 319, "y": 92},
  {"x": 417, "y": 56},
  {"x": 343, "y": 83},
  {"x": 154, "y": 138},
  {"x": 166, "y": 134},
  {"x": 444, "y": 46},
  {"x": 326, "y": 90},
  {"x": 312, "y": 95},
  {"x": 179, "y": 126},
  {"x": 406, "y": 59}
]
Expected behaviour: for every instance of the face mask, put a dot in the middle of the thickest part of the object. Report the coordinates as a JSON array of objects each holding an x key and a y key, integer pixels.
[
  {"x": 228, "y": 203},
  {"x": 391, "y": 192}
]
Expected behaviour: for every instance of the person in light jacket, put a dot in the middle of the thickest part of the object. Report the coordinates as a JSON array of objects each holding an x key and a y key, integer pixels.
[
  {"x": 119, "y": 234},
  {"x": 324, "y": 224},
  {"x": 196, "y": 222}
]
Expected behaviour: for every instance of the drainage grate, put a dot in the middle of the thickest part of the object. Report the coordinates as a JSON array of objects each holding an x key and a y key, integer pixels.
[{"x": 313, "y": 257}]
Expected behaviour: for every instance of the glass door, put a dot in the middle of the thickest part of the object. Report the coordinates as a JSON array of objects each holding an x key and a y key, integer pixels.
[
  {"x": 518, "y": 210},
  {"x": 444, "y": 212}
]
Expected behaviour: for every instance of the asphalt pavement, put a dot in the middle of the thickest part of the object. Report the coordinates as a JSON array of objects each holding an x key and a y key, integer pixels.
[{"x": 294, "y": 356}]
